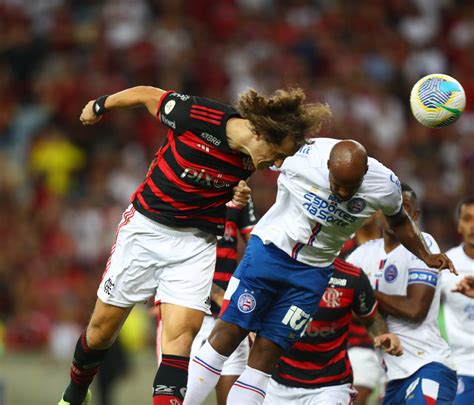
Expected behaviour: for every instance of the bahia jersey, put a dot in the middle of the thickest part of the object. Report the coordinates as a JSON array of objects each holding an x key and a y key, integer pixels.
[
  {"x": 310, "y": 223},
  {"x": 238, "y": 220},
  {"x": 193, "y": 174},
  {"x": 320, "y": 358},
  {"x": 392, "y": 273},
  {"x": 459, "y": 312}
]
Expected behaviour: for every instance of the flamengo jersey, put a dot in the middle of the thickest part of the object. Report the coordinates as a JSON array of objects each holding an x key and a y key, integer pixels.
[
  {"x": 193, "y": 173},
  {"x": 307, "y": 221},
  {"x": 392, "y": 273},
  {"x": 320, "y": 358},
  {"x": 459, "y": 312},
  {"x": 238, "y": 220}
]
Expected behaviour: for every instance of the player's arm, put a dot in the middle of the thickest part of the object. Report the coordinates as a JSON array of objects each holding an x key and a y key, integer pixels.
[
  {"x": 364, "y": 305},
  {"x": 414, "y": 306},
  {"x": 146, "y": 96},
  {"x": 410, "y": 236}
]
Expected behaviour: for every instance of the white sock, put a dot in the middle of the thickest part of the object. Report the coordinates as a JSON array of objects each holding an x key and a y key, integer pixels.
[
  {"x": 204, "y": 372},
  {"x": 250, "y": 388}
]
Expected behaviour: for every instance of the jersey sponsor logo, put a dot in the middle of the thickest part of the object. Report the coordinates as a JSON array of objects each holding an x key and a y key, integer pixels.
[
  {"x": 296, "y": 319},
  {"x": 168, "y": 122},
  {"x": 304, "y": 150},
  {"x": 395, "y": 180},
  {"x": 391, "y": 273},
  {"x": 211, "y": 138},
  {"x": 324, "y": 331},
  {"x": 204, "y": 178},
  {"x": 356, "y": 205},
  {"x": 328, "y": 212},
  {"x": 169, "y": 106},
  {"x": 338, "y": 281},
  {"x": 182, "y": 97},
  {"x": 246, "y": 303},
  {"x": 423, "y": 277},
  {"x": 332, "y": 298},
  {"x": 205, "y": 148},
  {"x": 469, "y": 310}
]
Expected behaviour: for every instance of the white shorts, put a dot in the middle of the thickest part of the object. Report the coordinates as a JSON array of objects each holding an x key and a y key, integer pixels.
[
  {"x": 235, "y": 364},
  {"x": 175, "y": 265},
  {"x": 278, "y": 394},
  {"x": 366, "y": 367}
]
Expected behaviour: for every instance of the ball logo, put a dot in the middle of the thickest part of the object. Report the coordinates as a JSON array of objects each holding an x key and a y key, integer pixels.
[
  {"x": 390, "y": 274},
  {"x": 246, "y": 303},
  {"x": 356, "y": 205},
  {"x": 169, "y": 106}
]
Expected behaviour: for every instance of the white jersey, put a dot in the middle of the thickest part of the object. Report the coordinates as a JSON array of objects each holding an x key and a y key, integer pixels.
[
  {"x": 392, "y": 273},
  {"x": 307, "y": 221},
  {"x": 459, "y": 312}
]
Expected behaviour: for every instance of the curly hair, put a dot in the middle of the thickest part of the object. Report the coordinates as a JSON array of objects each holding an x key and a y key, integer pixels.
[{"x": 283, "y": 113}]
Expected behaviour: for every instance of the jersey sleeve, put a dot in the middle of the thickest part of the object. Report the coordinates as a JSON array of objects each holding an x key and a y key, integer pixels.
[
  {"x": 355, "y": 258},
  {"x": 247, "y": 218},
  {"x": 204, "y": 117},
  {"x": 419, "y": 272},
  {"x": 364, "y": 303},
  {"x": 391, "y": 201}
]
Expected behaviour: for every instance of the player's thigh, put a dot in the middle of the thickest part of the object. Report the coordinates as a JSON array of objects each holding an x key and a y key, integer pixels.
[
  {"x": 366, "y": 367},
  {"x": 180, "y": 326}
]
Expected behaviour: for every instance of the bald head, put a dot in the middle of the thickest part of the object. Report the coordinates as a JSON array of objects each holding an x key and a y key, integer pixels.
[{"x": 347, "y": 166}]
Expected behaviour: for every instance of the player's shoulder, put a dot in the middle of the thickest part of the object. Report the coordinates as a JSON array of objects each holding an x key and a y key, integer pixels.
[
  {"x": 430, "y": 242},
  {"x": 345, "y": 270},
  {"x": 455, "y": 252},
  {"x": 380, "y": 176},
  {"x": 370, "y": 245}
]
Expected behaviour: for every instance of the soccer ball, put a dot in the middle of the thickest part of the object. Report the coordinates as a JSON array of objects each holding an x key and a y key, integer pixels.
[{"x": 437, "y": 100}]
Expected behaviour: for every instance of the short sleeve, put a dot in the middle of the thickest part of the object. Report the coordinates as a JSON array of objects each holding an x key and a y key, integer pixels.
[
  {"x": 365, "y": 302},
  {"x": 419, "y": 272},
  {"x": 355, "y": 258},
  {"x": 391, "y": 202},
  {"x": 174, "y": 111}
]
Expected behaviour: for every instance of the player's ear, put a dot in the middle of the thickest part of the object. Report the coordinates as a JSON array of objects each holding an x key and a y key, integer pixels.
[{"x": 416, "y": 215}]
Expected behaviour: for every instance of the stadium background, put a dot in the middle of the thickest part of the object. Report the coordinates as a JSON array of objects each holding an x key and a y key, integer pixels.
[{"x": 64, "y": 186}]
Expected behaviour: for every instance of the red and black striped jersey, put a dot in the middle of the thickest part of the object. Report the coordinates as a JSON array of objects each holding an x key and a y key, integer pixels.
[
  {"x": 238, "y": 220},
  {"x": 193, "y": 174},
  {"x": 320, "y": 358}
]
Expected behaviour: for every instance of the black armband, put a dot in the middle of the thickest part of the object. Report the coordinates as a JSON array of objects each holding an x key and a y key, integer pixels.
[{"x": 99, "y": 105}]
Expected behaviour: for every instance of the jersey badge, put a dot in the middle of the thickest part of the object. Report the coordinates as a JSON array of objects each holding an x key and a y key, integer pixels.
[
  {"x": 169, "y": 106},
  {"x": 332, "y": 297},
  {"x": 356, "y": 205},
  {"x": 246, "y": 303},
  {"x": 391, "y": 273}
]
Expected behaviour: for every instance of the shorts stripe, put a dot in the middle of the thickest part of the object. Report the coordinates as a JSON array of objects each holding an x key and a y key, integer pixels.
[{"x": 249, "y": 387}]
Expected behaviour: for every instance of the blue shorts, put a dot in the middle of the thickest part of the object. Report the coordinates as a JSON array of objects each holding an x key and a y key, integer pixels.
[
  {"x": 433, "y": 383},
  {"x": 465, "y": 394},
  {"x": 273, "y": 294}
]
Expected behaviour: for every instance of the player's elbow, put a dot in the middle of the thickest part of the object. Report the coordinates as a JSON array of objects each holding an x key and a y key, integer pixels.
[{"x": 417, "y": 314}]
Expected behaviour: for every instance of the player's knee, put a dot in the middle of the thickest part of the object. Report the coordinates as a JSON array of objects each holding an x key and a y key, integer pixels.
[
  {"x": 225, "y": 337},
  {"x": 99, "y": 336},
  {"x": 264, "y": 355}
]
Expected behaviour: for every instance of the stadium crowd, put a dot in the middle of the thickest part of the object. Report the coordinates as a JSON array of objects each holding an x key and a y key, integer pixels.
[{"x": 63, "y": 187}]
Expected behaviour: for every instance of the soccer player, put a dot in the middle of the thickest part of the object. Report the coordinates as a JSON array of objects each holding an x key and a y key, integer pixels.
[
  {"x": 408, "y": 292},
  {"x": 317, "y": 370},
  {"x": 166, "y": 241},
  {"x": 459, "y": 309},
  {"x": 325, "y": 192}
]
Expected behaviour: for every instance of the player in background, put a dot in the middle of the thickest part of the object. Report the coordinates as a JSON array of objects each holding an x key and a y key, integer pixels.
[
  {"x": 325, "y": 192},
  {"x": 166, "y": 241},
  {"x": 459, "y": 309},
  {"x": 366, "y": 369},
  {"x": 317, "y": 370},
  {"x": 408, "y": 292}
]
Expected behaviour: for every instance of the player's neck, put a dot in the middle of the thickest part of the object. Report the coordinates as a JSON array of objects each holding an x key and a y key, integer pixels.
[
  {"x": 390, "y": 242},
  {"x": 468, "y": 250},
  {"x": 239, "y": 134}
]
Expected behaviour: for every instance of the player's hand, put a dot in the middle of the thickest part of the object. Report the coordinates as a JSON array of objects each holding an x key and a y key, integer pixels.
[
  {"x": 241, "y": 194},
  {"x": 87, "y": 116},
  {"x": 390, "y": 344},
  {"x": 466, "y": 286},
  {"x": 440, "y": 261}
]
